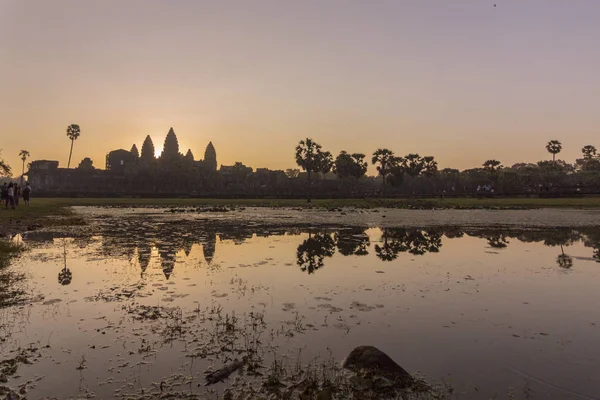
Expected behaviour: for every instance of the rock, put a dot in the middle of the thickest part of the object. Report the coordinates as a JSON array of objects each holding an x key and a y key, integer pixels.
[{"x": 373, "y": 360}]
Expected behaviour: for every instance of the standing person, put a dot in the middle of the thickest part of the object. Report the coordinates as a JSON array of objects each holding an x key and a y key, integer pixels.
[
  {"x": 11, "y": 196},
  {"x": 27, "y": 193},
  {"x": 17, "y": 193},
  {"x": 4, "y": 193}
]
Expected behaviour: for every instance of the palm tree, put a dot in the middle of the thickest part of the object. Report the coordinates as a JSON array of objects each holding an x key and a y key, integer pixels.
[
  {"x": 554, "y": 147},
  {"x": 386, "y": 159},
  {"x": 311, "y": 158},
  {"x": 24, "y": 154},
  {"x": 73, "y": 132},
  {"x": 589, "y": 152}
]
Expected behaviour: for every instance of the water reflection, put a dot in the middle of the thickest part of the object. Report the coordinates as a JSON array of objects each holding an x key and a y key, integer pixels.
[
  {"x": 65, "y": 276},
  {"x": 137, "y": 238},
  {"x": 413, "y": 241},
  {"x": 564, "y": 260},
  {"x": 352, "y": 242},
  {"x": 312, "y": 251}
]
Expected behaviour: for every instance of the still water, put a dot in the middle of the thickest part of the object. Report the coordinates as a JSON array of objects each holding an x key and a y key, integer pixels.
[{"x": 493, "y": 312}]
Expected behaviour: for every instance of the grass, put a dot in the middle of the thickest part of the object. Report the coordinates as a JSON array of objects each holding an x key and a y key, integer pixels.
[
  {"x": 45, "y": 212},
  {"x": 44, "y": 207}
]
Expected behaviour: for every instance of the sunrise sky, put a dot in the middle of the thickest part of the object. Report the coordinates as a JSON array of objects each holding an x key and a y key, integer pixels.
[{"x": 461, "y": 80}]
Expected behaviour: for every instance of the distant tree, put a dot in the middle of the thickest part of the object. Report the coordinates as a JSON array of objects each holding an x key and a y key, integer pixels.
[
  {"x": 86, "y": 163},
  {"x": 386, "y": 159},
  {"x": 554, "y": 147},
  {"x": 588, "y": 164},
  {"x": 589, "y": 152},
  {"x": 24, "y": 154},
  {"x": 73, "y": 132},
  {"x": 492, "y": 166},
  {"x": 413, "y": 164},
  {"x": 359, "y": 168},
  {"x": 4, "y": 167},
  {"x": 134, "y": 152},
  {"x": 430, "y": 167},
  {"x": 292, "y": 173},
  {"x": 147, "y": 150},
  {"x": 311, "y": 158},
  {"x": 397, "y": 170},
  {"x": 350, "y": 165}
]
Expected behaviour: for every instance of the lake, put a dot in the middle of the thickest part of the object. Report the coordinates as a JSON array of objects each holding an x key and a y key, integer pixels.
[{"x": 144, "y": 300}]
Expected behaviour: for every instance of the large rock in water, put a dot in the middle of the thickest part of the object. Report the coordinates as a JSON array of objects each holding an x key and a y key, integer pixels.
[{"x": 373, "y": 360}]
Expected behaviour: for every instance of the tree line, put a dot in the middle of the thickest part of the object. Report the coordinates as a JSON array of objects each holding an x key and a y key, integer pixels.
[{"x": 415, "y": 174}]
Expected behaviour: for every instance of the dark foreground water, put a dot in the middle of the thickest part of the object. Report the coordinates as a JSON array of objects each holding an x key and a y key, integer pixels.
[{"x": 131, "y": 302}]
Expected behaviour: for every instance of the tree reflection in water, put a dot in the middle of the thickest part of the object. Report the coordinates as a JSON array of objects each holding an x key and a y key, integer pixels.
[
  {"x": 65, "y": 276},
  {"x": 564, "y": 260},
  {"x": 311, "y": 253},
  {"x": 413, "y": 241},
  {"x": 497, "y": 240},
  {"x": 352, "y": 241}
]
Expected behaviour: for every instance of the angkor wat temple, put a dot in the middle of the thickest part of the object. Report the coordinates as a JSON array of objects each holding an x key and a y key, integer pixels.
[{"x": 132, "y": 172}]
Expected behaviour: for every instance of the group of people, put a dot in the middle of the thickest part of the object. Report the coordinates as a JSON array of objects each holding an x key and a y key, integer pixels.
[{"x": 12, "y": 192}]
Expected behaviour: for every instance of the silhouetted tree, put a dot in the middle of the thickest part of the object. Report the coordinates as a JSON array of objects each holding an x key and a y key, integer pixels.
[
  {"x": 386, "y": 159},
  {"x": 412, "y": 164},
  {"x": 4, "y": 168},
  {"x": 430, "y": 167},
  {"x": 350, "y": 165},
  {"x": 311, "y": 158},
  {"x": 589, "y": 152},
  {"x": 492, "y": 167},
  {"x": 86, "y": 163},
  {"x": 554, "y": 147},
  {"x": 73, "y": 132},
  {"x": 24, "y": 154}
]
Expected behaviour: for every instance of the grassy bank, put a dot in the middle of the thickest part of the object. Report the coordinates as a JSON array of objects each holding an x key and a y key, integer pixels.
[
  {"x": 44, "y": 212},
  {"x": 56, "y": 206}
]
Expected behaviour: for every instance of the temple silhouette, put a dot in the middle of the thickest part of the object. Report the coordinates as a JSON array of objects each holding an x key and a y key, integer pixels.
[{"x": 135, "y": 172}]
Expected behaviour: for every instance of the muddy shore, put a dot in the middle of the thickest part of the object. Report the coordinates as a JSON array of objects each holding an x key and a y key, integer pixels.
[{"x": 379, "y": 217}]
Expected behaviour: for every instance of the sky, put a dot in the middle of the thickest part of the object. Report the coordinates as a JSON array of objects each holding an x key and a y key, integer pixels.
[{"x": 460, "y": 80}]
